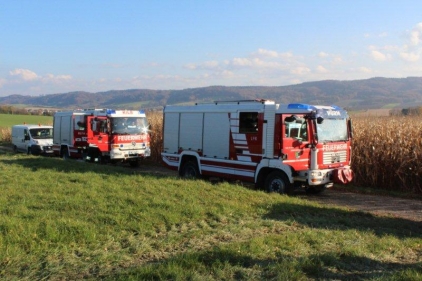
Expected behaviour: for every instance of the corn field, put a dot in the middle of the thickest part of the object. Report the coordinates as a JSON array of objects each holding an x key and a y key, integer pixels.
[{"x": 387, "y": 151}]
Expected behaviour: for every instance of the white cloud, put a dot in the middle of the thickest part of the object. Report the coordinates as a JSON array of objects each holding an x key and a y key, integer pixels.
[
  {"x": 301, "y": 70},
  {"x": 378, "y": 56},
  {"x": 242, "y": 62},
  {"x": 321, "y": 69},
  {"x": 204, "y": 65},
  {"x": 271, "y": 54},
  {"x": 322, "y": 55},
  {"x": 267, "y": 53},
  {"x": 190, "y": 66},
  {"x": 55, "y": 78},
  {"x": 364, "y": 69},
  {"x": 411, "y": 57},
  {"x": 416, "y": 34},
  {"x": 24, "y": 74}
]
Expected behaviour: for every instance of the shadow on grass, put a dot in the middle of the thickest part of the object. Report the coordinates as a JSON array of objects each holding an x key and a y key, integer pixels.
[
  {"x": 36, "y": 163},
  {"x": 228, "y": 264},
  {"x": 338, "y": 219}
]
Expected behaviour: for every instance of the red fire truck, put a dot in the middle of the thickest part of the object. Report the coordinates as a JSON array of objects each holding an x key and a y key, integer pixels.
[
  {"x": 102, "y": 135},
  {"x": 278, "y": 147}
]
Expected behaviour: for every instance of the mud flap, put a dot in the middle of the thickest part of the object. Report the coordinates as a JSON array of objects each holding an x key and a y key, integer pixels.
[{"x": 343, "y": 175}]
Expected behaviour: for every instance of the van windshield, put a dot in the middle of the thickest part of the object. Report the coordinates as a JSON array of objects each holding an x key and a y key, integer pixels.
[{"x": 41, "y": 133}]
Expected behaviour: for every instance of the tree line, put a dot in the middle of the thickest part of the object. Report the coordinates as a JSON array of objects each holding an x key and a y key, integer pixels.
[
  {"x": 411, "y": 111},
  {"x": 8, "y": 109}
]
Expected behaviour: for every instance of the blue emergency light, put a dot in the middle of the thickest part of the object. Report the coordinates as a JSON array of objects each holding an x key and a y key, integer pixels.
[
  {"x": 301, "y": 106},
  {"x": 110, "y": 111}
]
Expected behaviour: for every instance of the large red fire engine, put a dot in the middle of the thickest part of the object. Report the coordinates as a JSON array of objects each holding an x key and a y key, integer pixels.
[
  {"x": 277, "y": 147},
  {"x": 102, "y": 135}
]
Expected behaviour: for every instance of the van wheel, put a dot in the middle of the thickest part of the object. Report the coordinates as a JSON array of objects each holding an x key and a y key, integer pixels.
[
  {"x": 277, "y": 181},
  {"x": 134, "y": 163},
  {"x": 190, "y": 170}
]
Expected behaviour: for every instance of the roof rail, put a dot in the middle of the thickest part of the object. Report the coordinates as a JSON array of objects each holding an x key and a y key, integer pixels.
[{"x": 238, "y": 101}]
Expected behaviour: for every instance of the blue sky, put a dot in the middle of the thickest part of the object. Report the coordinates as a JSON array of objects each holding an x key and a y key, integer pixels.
[{"x": 49, "y": 47}]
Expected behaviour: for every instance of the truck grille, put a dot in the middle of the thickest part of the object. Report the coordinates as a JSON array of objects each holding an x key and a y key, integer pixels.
[{"x": 332, "y": 157}]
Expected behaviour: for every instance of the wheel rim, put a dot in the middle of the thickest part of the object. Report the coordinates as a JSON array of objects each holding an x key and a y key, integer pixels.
[
  {"x": 190, "y": 172},
  {"x": 277, "y": 185}
]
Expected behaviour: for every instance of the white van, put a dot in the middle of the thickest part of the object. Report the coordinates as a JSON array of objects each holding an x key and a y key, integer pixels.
[{"x": 34, "y": 139}]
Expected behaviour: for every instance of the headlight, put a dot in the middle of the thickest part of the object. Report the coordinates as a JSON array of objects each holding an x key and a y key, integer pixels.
[{"x": 316, "y": 174}]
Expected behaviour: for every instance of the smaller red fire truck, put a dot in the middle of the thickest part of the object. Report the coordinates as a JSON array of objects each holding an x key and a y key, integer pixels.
[
  {"x": 278, "y": 147},
  {"x": 102, "y": 135}
]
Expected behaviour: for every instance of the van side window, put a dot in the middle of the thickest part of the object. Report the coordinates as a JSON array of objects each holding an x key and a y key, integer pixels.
[{"x": 248, "y": 122}]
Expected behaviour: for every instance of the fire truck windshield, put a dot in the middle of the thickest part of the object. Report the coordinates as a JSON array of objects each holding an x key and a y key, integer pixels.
[
  {"x": 129, "y": 125},
  {"x": 332, "y": 130}
]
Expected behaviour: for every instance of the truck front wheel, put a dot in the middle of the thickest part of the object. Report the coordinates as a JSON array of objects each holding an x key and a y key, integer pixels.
[
  {"x": 277, "y": 181},
  {"x": 190, "y": 170}
]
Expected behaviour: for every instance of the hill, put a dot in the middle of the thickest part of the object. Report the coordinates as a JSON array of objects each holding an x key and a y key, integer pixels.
[{"x": 355, "y": 94}]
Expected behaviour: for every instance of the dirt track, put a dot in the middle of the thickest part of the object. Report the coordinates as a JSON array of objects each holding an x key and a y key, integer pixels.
[{"x": 410, "y": 209}]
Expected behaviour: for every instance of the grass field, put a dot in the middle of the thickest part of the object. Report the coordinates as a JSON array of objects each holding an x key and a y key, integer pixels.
[
  {"x": 8, "y": 120},
  {"x": 74, "y": 220}
]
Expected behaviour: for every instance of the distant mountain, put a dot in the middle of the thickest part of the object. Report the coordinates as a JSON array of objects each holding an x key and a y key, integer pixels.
[{"x": 356, "y": 94}]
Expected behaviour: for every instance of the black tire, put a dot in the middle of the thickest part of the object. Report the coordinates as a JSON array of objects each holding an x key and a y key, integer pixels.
[
  {"x": 34, "y": 152},
  {"x": 278, "y": 182},
  {"x": 65, "y": 154},
  {"x": 190, "y": 170},
  {"x": 90, "y": 155},
  {"x": 134, "y": 163}
]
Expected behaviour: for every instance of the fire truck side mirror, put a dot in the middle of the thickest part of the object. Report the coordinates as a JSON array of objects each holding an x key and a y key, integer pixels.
[{"x": 320, "y": 120}]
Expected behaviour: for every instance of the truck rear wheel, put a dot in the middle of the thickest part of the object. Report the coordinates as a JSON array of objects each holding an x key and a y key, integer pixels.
[
  {"x": 65, "y": 154},
  {"x": 277, "y": 181},
  {"x": 190, "y": 170}
]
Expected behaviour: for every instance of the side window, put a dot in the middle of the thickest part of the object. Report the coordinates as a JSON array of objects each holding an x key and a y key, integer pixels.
[
  {"x": 248, "y": 122},
  {"x": 297, "y": 128},
  {"x": 80, "y": 122}
]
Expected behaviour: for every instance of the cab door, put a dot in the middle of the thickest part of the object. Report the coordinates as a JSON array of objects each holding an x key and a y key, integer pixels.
[
  {"x": 295, "y": 142},
  {"x": 99, "y": 134}
]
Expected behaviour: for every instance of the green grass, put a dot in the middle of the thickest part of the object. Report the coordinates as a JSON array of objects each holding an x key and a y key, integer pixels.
[
  {"x": 8, "y": 120},
  {"x": 74, "y": 220}
]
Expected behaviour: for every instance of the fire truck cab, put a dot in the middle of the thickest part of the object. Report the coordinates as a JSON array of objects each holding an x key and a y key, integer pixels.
[
  {"x": 278, "y": 147},
  {"x": 102, "y": 135}
]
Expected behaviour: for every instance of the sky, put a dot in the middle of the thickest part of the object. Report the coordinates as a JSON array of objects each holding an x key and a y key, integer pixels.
[{"x": 49, "y": 47}]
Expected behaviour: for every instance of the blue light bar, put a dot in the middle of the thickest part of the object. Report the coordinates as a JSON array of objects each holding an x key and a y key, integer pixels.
[
  {"x": 300, "y": 106},
  {"x": 336, "y": 107},
  {"x": 142, "y": 111},
  {"x": 110, "y": 111}
]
